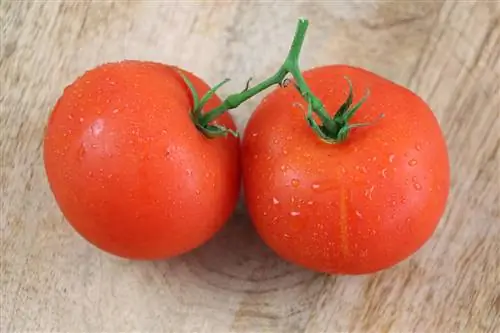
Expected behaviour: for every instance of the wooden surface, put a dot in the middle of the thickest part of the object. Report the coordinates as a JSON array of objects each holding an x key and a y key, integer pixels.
[{"x": 52, "y": 280}]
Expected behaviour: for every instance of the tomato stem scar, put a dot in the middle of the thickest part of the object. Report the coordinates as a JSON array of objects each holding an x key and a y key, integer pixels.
[{"x": 333, "y": 129}]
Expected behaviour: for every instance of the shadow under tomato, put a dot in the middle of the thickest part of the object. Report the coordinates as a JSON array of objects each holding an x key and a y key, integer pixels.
[{"x": 237, "y": 259}]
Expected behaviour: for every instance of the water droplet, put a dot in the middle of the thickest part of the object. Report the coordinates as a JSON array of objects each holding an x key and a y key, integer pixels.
[
  {"x": 384, "y": 173},
  {"x": 295, "y": 182},
  {"x": 97, "y": 127},
  {"x": 417, "y": 186},
  {"x": 294, "y": 213},
  {"x": 418, "y": 147},
  {"x": 275, "y": 141},
  {"x": 403, "y": 200},
  {"x": 412, "y": 162},
  {"x": 358, "y": 214},
  {"x": 285, "y": 152},
  {"x": 197, "y": 192},
  {"x": 189, "y": 172},
  {"x": 282, "y": 168},
  {"x": 70, "y": 116},
  {"x": 275, "y": 201},
  {"x": 286, "y": 236},
  {"x": 394, "y": 203},
  {"x": 310, "y": 202},
  {"x": 265, "y": 214},
  {"x": 81, "y": 120},
  {"x": 82, "y": 151},
  {"x": 255, "y": 156},
  {"x": 255, "y": 134},
  {"x": 315, "y": 186},
  {"x": 90, "y": 174},
  {"x": 414, "y": 178},
  {"x": 115, "y": 111},
  {"x": 368, "y": 192},
  {"x": 391, "y": 158},
  {"x": 289, "y": 138},
  {"x": 363, "y": 169},
  {"x": 374, "y": 158}
]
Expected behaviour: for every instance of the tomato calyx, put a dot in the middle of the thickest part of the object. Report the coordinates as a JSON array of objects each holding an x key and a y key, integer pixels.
[
  {"x": 335, "y": 129},
  {"x": 205, "y": 126}
]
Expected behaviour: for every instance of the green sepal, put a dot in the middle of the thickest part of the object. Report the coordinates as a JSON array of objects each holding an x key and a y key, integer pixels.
[
  {"x": 194, "y": 93},
  {"x": 215, "y": 130},
  {"x": 209, "y": 130}
]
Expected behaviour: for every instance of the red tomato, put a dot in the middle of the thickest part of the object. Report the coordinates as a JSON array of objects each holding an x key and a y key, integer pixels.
[
  {"x": 128, "y": 168},
  {"x": 355, "y": 207}
]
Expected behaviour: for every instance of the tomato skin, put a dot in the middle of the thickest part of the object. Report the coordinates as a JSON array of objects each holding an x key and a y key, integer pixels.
[
  {"x": 351, "y": 208},
  {"x": 128, "y": 168}
]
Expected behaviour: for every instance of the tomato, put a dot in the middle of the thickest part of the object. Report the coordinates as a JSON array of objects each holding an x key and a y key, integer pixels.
[
  {"x": 129, "y": 169},
  {"x": 357, "y": 206}
]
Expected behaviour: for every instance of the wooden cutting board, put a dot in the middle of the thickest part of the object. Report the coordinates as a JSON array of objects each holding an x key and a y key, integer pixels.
[{"x": 53, "y": 281}]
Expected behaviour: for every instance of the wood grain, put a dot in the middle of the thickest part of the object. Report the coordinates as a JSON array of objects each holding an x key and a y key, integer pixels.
[{"x": 53, "y": 281}]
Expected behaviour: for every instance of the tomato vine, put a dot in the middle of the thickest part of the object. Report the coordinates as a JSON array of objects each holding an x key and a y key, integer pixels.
[{"x": 333, "y": 129}]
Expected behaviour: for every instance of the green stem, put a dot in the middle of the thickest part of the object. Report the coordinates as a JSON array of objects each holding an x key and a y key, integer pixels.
[
  {"x": 234, "y": 100},
  {"x": 332, "y": 130},
  {"x": 290, "y": 65}
]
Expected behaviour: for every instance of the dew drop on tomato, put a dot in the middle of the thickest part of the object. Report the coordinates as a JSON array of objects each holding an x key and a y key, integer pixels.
[{"x": 412, "y": 162}]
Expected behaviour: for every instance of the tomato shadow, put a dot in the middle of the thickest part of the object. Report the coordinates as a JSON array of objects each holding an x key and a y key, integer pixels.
[{"x": 237, "y": 259}]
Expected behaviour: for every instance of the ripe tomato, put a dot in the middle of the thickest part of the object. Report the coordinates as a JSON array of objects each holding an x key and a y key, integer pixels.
[
  {"x": 353, "y": 207},
  {"x": 129, "y": 169}
]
